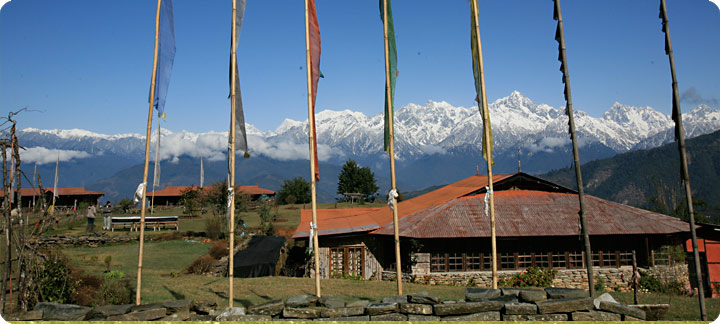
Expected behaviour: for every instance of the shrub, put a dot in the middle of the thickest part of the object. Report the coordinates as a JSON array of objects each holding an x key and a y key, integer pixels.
[
  {"x": 115, "y": 292},
  {"x": 115, "y": 274},
  {"x": 599, "y": 284},
  {"x": 219, "y": 249},
  {"x": 214, "y": 226},
  {"x": 55, "y": 282},
  {"x": 201, "y": 265},
  {"x": 84, "y": 296},
  {"x": 531, "y": 277},
  {"x": 649, "y": 282}
]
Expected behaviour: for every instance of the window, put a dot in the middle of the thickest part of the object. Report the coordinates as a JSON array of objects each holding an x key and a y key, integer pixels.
[
  {"x": 474, "y": 261},
  {"x": 347, "y": 261},
  {"x": 437, "y": 262},
  {"x": 559, "y": 260}
]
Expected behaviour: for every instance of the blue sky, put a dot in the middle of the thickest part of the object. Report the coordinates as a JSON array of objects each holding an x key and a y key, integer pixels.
[{"x": 87, "y": 64}]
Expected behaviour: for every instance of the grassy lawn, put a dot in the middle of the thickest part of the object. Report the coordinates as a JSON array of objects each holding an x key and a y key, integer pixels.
[{"x": 681, "y": 308}]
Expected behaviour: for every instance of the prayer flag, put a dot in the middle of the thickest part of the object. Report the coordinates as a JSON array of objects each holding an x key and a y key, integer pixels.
[
  {"x": 240, "y": 133},
  {"x": 392, "y": 61},
  {"x": 315, "y": 74},
  {"x": 166, "y": 55},
  {"x": 487, "y": 146}
]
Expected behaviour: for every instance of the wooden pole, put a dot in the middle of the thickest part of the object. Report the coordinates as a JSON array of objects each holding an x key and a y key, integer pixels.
[
  {"x": 635, "y": 278},
  {"x": 55, "y": 188},
  {"x": 684, "y": 166},
  {"x": 391, "y": 152},
  {"x": 487, "y": 138},
  {"x": 576, "y": 154},
  {"x": 8, "y": 231},
  {"x": 231, "y": 198},
  {"x": 147, "y": 159},
  {"x": 311, "y": 140},
  {"x": 155, "y": 172}
]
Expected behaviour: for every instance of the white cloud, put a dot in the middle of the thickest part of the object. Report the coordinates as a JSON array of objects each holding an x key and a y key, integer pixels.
[
  {"x": 433, "y": 149},
  {"x": 213, "y": 147},
  {"x": 42, "y": 155},
  {"x": 3, "y": 3},
  {"x": 547, "y": 144}
]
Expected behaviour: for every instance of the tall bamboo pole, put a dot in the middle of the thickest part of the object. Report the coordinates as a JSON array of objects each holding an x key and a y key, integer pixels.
[
  {"x": 576, "y": 155},
  {"x": 311, "y": 140},
  {"x": 55, "y": 187},
  {"x": 683, "y": 164},
  {"x": 487, "y": 138},
  {"x": 7, "y": 268},
  {"x": 231, "y": 198},
  {"x": 391, "y": 150},
  {"x": 147, "y": 160}
]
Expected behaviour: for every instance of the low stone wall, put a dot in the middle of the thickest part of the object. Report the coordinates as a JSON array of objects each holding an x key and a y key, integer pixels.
[
  {"x": 89, "y": 240},
  {"x": 616, "y": 279},
  {"x": 479, "y": 304}
]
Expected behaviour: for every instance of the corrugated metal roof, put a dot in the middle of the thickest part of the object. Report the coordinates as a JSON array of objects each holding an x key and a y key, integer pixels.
[
  {"x": 337, "y": 221},
  {"x": 531, "y": 213},
  {"x": 61, "y": 191}
]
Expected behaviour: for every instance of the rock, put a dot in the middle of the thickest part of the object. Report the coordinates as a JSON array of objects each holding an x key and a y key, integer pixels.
[
  {"x": 536, "y": 317},
  {"x": 358, "y": 303},
  {"x": 224, "y": 314},
  {"x": 417, "y": 309},
  {"x": 418, "y": 318},
  {"x": 203, "y": 307},
  {"x": 621, "y": 309},
  {"x": 179, "y": 316},
  {"x": 381, "y": 308},
  {"x": 389, "y": 317},
  {"x": 346, "y": 319},
  {"x": 604, "y": 297},
  {"x": 506, "y": 299},
  {"x": 145, "y": 307},
  {"x": 342, "y": 312},
  {"x": 307, "y": 313},
  {"x": 428, "y": 300},
  {"x": 510, "y": 291},
  {"x": 249, "y": 318},
  {"x": 520, "y": 309},
  {"x": 301, "y": 301},
  {"x": 653, "y": 312},
  {"x": 178, "y": 306},
  {"x": 200, "y": 317},
  {"x": 62, "y": 312},
  {"x": 562, "y": 293},
  {"x": 484, "y": 316},
  {"x": 396, "y": 299},
  {"x": 566, "y": 305},
  {"x": 479, "y": 294},
  {"x": 144, "y": 315},
  {"x": 422, "y": 293},
  {"x": 331, "y": 302},
  {"x": 271, "y": 308},
  {"x": 630, "y": 318},
  {"x": 33, "y": 315},
  {"x": 594, "y": 316},
  {"x": 102, "y": 312},
  {"x": 467, "y": 308},
  {"x": 532, "y": 295}
]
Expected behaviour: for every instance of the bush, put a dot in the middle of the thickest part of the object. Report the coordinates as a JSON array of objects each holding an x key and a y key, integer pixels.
[
  {"x": 55, "y": 282},
  {"x": 84, "y": 296},
  {"x": 115, "y": 292},
  {"x": 201, "y": 265},
  {"x": 115, "y": 274},
  {"x": 599, "y": 284},
  {"x": 532, "y": 277},
  {"x": 649, "y": 282},
  {"x": 214, "y": 226},
  {"x": 219, "y": 249}
]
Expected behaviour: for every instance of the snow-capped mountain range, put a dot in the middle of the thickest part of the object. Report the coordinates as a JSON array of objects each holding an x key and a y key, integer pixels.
[{"x": 421, "y": 130}]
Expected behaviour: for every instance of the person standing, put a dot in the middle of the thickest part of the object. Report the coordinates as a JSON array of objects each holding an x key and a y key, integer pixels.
[
  {"x": 91, "y": 218},
  {"x": 107, "y": 221}
]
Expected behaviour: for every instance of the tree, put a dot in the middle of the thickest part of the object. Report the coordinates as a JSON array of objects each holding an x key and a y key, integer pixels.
[
  {"x": 296, "y": 190},
  {"x": 216, "y": 196},
  {"x": 354, "y": 179},
  {"x": 192, "y": 200}
]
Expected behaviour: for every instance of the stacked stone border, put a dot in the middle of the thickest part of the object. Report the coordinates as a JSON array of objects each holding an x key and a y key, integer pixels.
[{"x": 480, "y": 304}]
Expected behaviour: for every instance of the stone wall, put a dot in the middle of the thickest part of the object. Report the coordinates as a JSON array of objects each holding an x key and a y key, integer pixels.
[
  {"x": 509, "y": 304},
  {"x": 615, "y": 278},
  {"x": 89, "y": 240}
]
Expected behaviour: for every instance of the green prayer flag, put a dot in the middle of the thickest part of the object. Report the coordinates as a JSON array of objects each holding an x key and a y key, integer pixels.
[
  {"x": 392, "y": 61},
  {"x": 487, "y": 146}
]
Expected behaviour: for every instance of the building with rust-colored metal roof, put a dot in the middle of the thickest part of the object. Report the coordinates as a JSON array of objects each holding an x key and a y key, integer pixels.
[
  {"x": 67, "y": 197},
  {"x": 537, "y": 224},
  {"x": 171, "y": 194}
]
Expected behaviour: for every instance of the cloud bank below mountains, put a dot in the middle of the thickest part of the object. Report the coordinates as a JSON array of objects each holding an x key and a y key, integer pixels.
[{"x": 43, "y": 155}]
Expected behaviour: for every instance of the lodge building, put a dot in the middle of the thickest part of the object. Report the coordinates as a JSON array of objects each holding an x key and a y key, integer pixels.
[
  {"x": 172, "y": 195},
  {"x": 66, "y": 197},
  {"x": 446, "y": 233}
]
